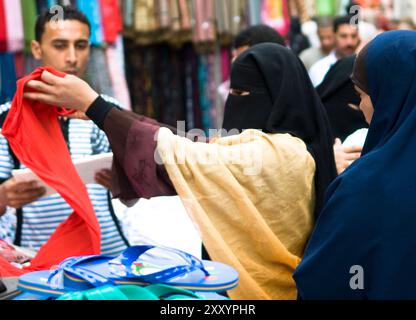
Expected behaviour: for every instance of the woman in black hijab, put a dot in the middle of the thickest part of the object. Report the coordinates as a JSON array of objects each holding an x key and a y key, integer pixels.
[
  {"x": 341, "y": 101},
  {"x": 277, "y": 96}
]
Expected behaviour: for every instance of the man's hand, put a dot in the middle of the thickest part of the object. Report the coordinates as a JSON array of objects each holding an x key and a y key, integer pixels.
[
  {"x": 103, "y": 177},
  {"x": 70, "y": 92},
  {"x": 344, "y": 157},
  {"x": 18, "y": 194}
]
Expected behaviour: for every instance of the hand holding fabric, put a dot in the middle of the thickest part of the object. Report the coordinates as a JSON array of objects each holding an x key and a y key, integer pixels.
[{"x": 70, "y": 91}]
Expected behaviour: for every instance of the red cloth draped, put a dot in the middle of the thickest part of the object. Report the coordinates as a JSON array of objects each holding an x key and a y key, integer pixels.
[{"x": 35, "y": 135}]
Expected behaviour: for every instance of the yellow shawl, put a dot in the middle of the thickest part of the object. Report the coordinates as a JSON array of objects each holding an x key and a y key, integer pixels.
[{"x": 252, "y": 199}]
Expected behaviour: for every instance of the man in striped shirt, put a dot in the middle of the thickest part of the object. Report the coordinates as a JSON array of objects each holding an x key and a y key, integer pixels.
[{"x": 66, "y": 48}]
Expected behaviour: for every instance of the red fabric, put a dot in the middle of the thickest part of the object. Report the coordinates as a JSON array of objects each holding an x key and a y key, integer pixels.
[
  {"x": 7, "y": 270},
  {"x": 35, "y": 136},
  {"x": 3, "y": 28},
  {"x": 111, "y": 20}
]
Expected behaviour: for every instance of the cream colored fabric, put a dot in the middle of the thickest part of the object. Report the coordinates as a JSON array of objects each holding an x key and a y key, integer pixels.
[{"x": 252, "y": 198}]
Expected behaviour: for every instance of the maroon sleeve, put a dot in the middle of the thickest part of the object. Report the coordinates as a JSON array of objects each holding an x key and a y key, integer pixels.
[{"x": 133, "y": 142}]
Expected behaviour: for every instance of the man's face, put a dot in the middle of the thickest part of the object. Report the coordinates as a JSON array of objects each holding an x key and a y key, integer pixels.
[
  {"x": 64, "y": 47},
  {"x": 347, "y": 40},
  {"x": 327, "y": 38}
]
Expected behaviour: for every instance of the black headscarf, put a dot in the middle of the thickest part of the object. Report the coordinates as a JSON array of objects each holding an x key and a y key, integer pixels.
[
  {"x": 282, "y": 99},
  {"x": 337, "y": 93}
]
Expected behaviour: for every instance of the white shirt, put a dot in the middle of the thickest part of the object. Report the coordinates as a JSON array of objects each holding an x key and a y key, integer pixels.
[{"x": 319, "y": 70}]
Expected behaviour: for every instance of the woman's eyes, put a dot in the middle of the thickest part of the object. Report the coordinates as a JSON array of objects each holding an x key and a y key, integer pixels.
[{"x": 238, "y": 92}]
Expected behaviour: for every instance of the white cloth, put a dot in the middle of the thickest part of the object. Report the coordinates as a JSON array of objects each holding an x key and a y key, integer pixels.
[
  {"x": 357, "y": 139},
  {"x": 319, "y": 70},
  {"x": 159, "y": 221}
]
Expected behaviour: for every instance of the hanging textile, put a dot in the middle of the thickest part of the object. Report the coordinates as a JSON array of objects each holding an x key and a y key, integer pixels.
[
  {"x": 97, "y": 72},
  {"x": 326, "y": 8},
  {"x": 237, "y": 10},
  {"x": 3, "y": 28},
  {"x": 175, "y": 17},
  {"x": 254, "y": 12},
  {"x": 7, "y": 77},
  {"x": 128, "y": 13},
  {"x": 110, "y": 20},
  {"x": 115, "y": 62},
  {"x": 222, "y": 15},
  {"x": 91, "y": 8},
  {"x": 275, "y": 14},
  {"x": 162, "y": 13},
  {"x": 144, "y": 16},
  {"x": 204, "y": 28},
  {"x": 29, "y": 13},
  {"x": 14, "y": 24},
  {"x": 184, "y": 10}
]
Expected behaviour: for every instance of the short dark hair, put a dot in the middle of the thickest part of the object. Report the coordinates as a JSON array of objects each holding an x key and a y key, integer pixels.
[
  {"x": 325, "y": 22},
  {"x": 339, "y": 21},
  {"x": 69, "y": 13},
  {"x": 257, "y": 34}
]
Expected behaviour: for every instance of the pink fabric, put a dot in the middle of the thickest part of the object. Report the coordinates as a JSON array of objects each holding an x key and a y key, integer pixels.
[
  {"x": 275, "y": 13},
  {"x": 14, "y": 23},
  {"x": 225, "y": 64},
  {"x": 115, "y": 62},
  {"x": 204, "y": 21}
]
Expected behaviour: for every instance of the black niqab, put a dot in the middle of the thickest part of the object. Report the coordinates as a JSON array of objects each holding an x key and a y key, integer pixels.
[{"x": 282, "y": 99}]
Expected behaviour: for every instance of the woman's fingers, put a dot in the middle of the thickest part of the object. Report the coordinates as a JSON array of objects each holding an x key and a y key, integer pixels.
[
  {"x": 50, "y": 78},
  {"x": 354, "y": 149},
  {"x": 41, "y": 97},
  {"x": 40, "y": 86},
  {"x": 352, "y": 156}
]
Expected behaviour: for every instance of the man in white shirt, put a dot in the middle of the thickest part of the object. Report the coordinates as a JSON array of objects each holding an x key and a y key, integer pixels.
[{"x": 347, "y": 40}]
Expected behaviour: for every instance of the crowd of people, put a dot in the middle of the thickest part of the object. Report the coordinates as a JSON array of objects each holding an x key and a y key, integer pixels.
[{"x": 308, "y": 192}]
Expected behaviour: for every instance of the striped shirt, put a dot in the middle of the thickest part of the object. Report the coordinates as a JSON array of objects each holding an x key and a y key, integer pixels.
[{"x": 41, "y": 218}]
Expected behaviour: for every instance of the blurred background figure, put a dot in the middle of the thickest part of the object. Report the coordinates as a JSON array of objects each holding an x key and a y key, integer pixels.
[
  {"x": 347, "y": 40},
  {"x": 327, "y": 42}
]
